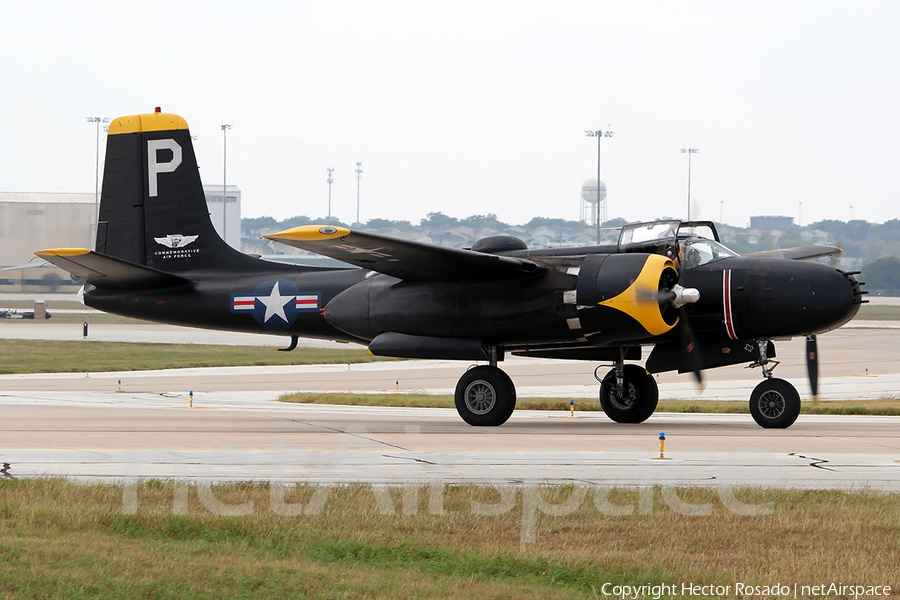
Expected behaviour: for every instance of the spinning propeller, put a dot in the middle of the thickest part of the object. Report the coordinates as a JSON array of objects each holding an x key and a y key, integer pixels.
[
  {"x": 689, "y": 346},
  {"x": 812, "y": 366},
  {"x": 677, "y": 297}
]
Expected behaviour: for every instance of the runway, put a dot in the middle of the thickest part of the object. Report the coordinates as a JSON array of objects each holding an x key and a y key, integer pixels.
[
  {"x": 238, "y": 436},
  {"x": 82, "y": 427}
]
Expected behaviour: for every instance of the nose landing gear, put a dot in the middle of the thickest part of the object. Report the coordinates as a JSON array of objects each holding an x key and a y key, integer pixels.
[{"x": 774, "y": 403}]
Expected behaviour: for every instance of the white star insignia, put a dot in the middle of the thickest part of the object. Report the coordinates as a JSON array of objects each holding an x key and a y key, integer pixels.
[{"x": 275, "y": 304}]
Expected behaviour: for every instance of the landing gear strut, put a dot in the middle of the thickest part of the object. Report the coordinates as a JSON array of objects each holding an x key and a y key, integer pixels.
[
  {"x": 774, "y": 403},
  {"x": 485, "y": 395},
  {"x": 628, "y": 394}
]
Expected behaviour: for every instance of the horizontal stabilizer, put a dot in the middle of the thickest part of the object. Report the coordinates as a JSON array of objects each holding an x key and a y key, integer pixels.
[
  {"x": 799, "y": 253},
  {"x": 405, "y": 259},
  {"x": 107, "y": 272},
  {"x": 40, "y": 265}
]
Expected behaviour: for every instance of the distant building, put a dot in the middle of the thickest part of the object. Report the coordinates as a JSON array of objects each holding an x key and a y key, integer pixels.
[
  {"x": 31, "y": 221},
  {"x": 230, "y": 219},
  {"x": 765, "y": 223}
]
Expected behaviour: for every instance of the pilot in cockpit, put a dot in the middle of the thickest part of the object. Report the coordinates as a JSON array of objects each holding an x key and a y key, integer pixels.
[{"x": 692, "y": 258}]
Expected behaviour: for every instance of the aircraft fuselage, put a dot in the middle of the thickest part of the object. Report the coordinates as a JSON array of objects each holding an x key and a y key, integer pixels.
[{"x": 740, "y": 298}]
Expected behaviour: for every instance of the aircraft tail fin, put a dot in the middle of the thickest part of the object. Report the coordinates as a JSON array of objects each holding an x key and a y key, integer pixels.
[
  {"x": 153, "y": 211},
  {"x": 108, "y": 272}
]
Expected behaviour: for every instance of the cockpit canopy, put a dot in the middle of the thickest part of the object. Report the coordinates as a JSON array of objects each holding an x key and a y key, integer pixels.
[
  {"x": 699, "y": 251},
  {"x": 688, "y": 243}
]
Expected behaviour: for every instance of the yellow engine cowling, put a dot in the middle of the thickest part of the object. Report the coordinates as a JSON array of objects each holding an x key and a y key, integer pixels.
[{"x": 619, "y": 297}]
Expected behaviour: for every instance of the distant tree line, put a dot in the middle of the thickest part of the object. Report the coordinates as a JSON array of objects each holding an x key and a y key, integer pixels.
[
  {"x": 876, "y": 245},
  {"x": 434, "y": 220},
  {"x": 882, "y": 276}
]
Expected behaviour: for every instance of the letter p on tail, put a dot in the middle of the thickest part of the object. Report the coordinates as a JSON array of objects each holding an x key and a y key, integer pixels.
[{"x": 154, "y": 167}]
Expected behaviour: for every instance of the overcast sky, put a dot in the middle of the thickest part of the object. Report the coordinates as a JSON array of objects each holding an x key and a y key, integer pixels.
[{"x": 475, "y": 107}]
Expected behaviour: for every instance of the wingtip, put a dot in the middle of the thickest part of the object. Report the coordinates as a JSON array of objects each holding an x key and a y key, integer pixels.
[{"x": 309, "y": 233}]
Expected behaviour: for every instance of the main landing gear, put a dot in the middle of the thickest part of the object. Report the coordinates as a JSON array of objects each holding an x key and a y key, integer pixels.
[
  {"x": 485, "y": 395},
  {"x": 774, "y": 403},
  {"x": 628, "y": 393}
]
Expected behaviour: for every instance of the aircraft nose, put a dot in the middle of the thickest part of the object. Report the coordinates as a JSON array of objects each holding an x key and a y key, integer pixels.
[{"x": 811, "y": 297}]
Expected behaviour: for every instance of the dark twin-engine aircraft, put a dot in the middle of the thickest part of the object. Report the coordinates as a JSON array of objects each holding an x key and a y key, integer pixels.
[{"x": 669, "y": 285}]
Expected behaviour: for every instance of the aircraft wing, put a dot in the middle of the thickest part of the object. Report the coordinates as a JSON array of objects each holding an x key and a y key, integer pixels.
[
  {"x": 405, "y": 259},
  {"x": 108, "y": 272},
  {"x": 799, "y": 253}
]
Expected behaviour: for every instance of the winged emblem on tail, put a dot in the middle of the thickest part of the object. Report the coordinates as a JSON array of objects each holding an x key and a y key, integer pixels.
[{"x": 175, "y": 240}]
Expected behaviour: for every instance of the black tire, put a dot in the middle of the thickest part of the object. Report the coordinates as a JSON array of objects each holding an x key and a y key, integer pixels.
[
  {"x": 485, "y": 397},
  {"x": 774, "y": 404},
  {"x": 638, "y": 401}
]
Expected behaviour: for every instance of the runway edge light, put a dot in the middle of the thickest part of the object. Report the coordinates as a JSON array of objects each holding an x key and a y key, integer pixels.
[{"x": 662, "y": 445}]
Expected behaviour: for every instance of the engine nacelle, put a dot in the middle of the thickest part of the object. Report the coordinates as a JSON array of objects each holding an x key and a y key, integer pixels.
[
  {"x": 624, "y": 297},
  {"x": 619, "y": 298},
  {"x": 503, "y": 311}
]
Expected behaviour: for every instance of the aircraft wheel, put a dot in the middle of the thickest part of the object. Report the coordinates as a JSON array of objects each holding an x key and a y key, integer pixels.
[
  {"x": 636, "y": 402},
  {"x": 485, "y": 396},
  {"x": 774, "y": 404}
]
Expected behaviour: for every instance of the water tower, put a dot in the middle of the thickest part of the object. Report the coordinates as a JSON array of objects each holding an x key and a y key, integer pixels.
[{"x": 593, "y": 205}]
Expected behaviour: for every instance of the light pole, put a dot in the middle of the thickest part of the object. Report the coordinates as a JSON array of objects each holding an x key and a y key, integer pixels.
[
  {"x": 722, "y": 210},
  {"x": 800, "y": 215},
  {"x": 689, "y": 152},
  {"x": 358, "y": 176},
  {"x": 329, "y": 180},
  {"x": 597, "y": 133},
  {"x": 225, "y": 129},
  {"x": 97, "y": 120}
]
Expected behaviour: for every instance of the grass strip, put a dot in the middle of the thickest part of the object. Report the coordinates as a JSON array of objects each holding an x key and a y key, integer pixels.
[
  {"x": 60, "y": 539},
  {"x": 872, "y": 312},
  {"x": 49, "y": 356},
  {"x": 837, "y": 407}
]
